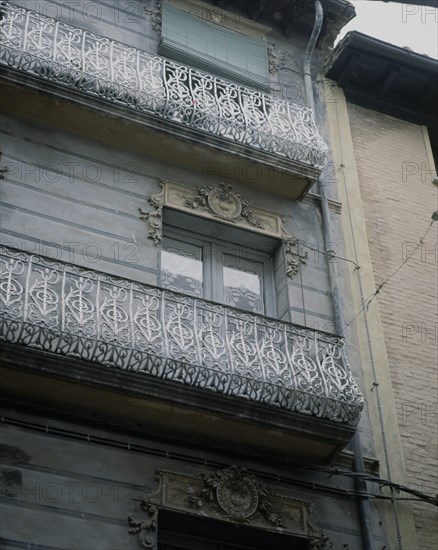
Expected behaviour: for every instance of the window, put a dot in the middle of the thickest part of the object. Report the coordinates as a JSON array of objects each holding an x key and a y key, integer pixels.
[
  {"x": 183, "y": 532},
  {"x": 213, "y": 48},
  {"x": 234, "y": 274}
]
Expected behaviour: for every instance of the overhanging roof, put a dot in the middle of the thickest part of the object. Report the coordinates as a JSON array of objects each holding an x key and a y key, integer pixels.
[
  {"x": 294, "y": 15},
  {"x": 388, "y": 78}
]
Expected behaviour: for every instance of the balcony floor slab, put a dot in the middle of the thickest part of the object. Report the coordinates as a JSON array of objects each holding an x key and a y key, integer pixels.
[
  {"x": 216, "y": 158},
  {"x": 123, "y": 399}
]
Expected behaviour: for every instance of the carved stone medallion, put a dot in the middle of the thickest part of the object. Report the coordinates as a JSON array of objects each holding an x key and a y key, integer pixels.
[
  {"x": 237, "y": 495},
  {"x": 225, "y": 203}
]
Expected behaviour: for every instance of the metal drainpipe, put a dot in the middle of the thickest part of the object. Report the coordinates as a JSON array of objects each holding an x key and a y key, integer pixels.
[{"x": 363, "y": 502}]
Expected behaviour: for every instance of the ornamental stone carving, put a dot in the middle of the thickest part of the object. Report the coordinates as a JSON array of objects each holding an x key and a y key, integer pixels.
[
  {"x": 276, "y": 58},
  {"x": 294, "y": 256},
  {"x": 153, "y": 217},
  {"x": 232, "y": 495},
  {"x": 237, "y": 498},
  {"x": 215, "y": 16},
  {"x": 154, "y": 13},
  {"x": 146, "y": 529},
  {"x": 236, "y": 494},
  {"x": 224, "y": 203}
]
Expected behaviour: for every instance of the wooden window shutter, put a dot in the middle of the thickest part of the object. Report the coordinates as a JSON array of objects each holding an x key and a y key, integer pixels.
[{"x": 213, "y": 48}]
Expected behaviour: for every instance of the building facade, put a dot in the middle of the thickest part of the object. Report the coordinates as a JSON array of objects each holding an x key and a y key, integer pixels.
[{"x": 179, "y": 368}]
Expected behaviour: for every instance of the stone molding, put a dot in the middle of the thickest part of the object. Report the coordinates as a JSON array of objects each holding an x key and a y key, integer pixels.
[
  {"x": 221, "y": 203},
  {"x": 231, "y": 495}
]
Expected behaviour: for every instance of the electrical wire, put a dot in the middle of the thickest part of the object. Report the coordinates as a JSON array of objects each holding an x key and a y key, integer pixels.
[
  {"x": 370, "y": 298},
  {"x": 331, "y": 255},
  {"x": 381, "y": 482}
]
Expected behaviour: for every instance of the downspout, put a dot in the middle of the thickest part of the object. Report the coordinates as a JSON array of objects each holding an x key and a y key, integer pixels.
[
  {"x": 363, "y": 502},
  {"x": 309, "y": 52}
]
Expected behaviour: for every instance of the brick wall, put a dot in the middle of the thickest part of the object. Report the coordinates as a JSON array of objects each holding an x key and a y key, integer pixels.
[{"x": 398, "y": 199}]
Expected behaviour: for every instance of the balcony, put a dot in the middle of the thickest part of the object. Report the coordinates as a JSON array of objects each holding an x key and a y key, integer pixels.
[
  {"x": 212, "y": 112},
  {"x": 119, "y": 325}
]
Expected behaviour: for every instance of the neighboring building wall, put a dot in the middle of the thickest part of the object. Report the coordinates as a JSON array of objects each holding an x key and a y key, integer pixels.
[
  {"x": 364, "y": 326},
  {"x": 398, "y": 197}
]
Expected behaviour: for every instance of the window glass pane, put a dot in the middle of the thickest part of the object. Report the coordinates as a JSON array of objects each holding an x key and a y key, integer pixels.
[
  {"x": 243, "y": 283},
  {"x": 181, "y": 267}
]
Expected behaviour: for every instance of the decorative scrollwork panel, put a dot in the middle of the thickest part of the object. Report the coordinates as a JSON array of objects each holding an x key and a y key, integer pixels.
[
  {"x": 116, "y": 323},
  {"x": 124, "y": 75}
]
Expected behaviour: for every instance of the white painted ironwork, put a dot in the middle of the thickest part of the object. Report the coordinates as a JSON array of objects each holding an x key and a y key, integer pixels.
[
  {"x": 124, "y": 75},
  {"x": 74, "y": 312}
]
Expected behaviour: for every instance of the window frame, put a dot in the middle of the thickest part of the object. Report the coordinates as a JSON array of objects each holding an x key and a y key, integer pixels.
[{"x": 213, "y": 252}]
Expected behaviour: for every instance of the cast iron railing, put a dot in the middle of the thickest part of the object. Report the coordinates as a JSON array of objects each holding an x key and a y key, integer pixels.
[
  {"x": 79, "y": 59},
  {"x": 84, "y": 314}
]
